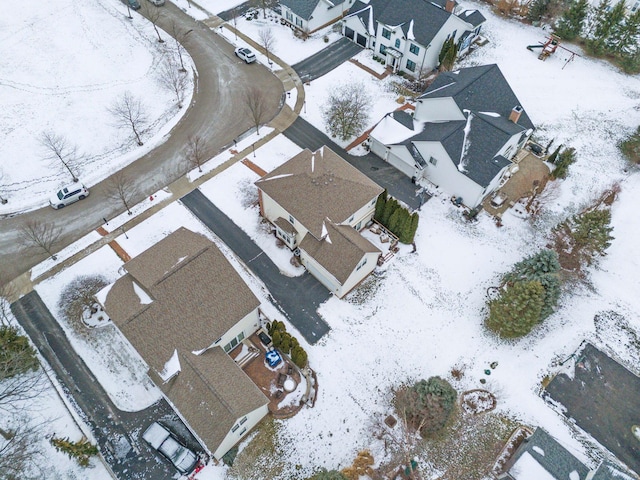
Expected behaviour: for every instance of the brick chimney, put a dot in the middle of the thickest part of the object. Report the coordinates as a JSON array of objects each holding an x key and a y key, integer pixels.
[
  {"x": 514, "y": 116},
  {"x": 450, "y": 5}
]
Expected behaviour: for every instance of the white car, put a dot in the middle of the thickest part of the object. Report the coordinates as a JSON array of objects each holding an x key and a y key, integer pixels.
[
  {"x": 157, "y": 3},
  {"x": 164, "y": 442},
  {"x": 245, "y": 54},
  {"x": 68, "y": 195}
]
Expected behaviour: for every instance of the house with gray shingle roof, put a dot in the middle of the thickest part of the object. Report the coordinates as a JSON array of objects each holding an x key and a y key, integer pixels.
[
  {"x": 542, "y": 457},
  {"x": 318, "y": 203},
  {"x": 409, "y": 34},
  {"x": 311, "y": 15},
  {"x": 462, "y": 138},
  {"x": 182, "y": 306}
]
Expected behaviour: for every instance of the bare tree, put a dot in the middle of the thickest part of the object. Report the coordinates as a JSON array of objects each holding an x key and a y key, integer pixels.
[
  {"x": 154, "y": 14},
  {"x": 173, "y": 79},
  {"x": 255, "y": 102},
  {"x": 347, "y": 110},
  {"x": 195, "y": 152},
  {"x": 120, "y": 187},
  {"x": 40, "y": 236},
  {"x": 235, "y": 13},
  {"x": 264, "y": 4},
  {"x": 59, "y": 152},
  {"x": 20, "y": 449},
  {"x": 129, "y": 112},
  {"x": 7, "y": 294},
  {"x": 3, "y": 179},
  {"x": 180, "y": 37},
  {"x": 267, "y": 41}
]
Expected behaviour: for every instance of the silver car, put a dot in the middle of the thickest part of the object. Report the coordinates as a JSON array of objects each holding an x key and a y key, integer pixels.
[
  {"x": 157, "y": 3},
  {"x": 164, "y": 442},
  {"x": 68, "y": 195}
]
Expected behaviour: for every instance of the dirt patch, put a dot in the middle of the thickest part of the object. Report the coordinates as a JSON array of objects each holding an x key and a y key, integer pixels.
[{"x": 477, "y": 401}]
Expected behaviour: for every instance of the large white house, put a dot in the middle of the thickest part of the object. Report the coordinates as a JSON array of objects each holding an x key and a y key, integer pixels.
[
  {"x": 409, "y": 34},
  {"x": 318, "y": 203},
  {"x": 182, "y": 307},
  {"x": 465, "y": 132},
  {"x": 311, "y": 15}
]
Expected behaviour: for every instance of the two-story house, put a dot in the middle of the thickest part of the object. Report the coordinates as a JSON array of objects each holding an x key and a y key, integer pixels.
[{"x": 311, "y": 15}]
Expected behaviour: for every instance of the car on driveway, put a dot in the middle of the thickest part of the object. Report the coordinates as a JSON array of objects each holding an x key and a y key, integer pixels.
[
  {"x": 168, "y": 445},
  {"x": 245, "y": 54},
  {"x": 133, "y": 4},
  {"x": 157, "y": 3},
  {"x": 68, "y": 195}
]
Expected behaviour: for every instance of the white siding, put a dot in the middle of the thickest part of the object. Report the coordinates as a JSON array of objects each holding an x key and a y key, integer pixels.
[
  {"x": 272, "y": 210},
  {"x": 324, "y": 14},
  {"x": 232, "y": 438},
  {"x": 319, "y": 272},
  {"x": 442, "y": 109},
  {"x": 358, "y": 275},
  {"x": 247, "y": 326},
  {"x": 355, "y": 24}
]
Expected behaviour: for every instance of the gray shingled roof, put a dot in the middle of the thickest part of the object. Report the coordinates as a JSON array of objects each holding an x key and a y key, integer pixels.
[
  {"x": 211, "y": 392},
  {"x": 316, "y": 185},
  {"x": 341, "y": 254},
  {"x": 428, "y": 19},
  {"x": 479, "y": 89},
  {"x": 552, "y": 456},
  {"x": 304, "y": 8},
  {"x": 196, "y": 302},
  {"x": 609, "y": 471}
]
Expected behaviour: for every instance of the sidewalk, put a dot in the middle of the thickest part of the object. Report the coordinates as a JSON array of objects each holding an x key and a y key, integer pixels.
[{"x": 23, "y": 284}]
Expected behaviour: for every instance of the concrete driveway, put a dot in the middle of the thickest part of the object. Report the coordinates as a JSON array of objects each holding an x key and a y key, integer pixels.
[
  {"x": 215, "y": 114},
  {"x": 327, "y": 59}
]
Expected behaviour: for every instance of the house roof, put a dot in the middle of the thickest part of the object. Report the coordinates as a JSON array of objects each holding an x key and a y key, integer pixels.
[
  {"x": 421, "y": 19},
  {"x": 547, "y": 453},
  {"x": 305, "y": 8},
  {"x": 340, "y": 251},
  {"x": 212, "y": 392},
  {"x": 608, "y": 471},
  {"x": 197, "y": 299},
  {"x": 313, "y": 186},
  {"x": 479, "y": 89}
]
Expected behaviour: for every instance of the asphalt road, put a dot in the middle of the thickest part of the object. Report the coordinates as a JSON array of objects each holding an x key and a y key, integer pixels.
[
  {"x": 327, "y": 59},
  {"x": 298, "y": 298},
  {"x": 603, "y": 398},
  {"x": 216, "y": 114},
  {"x": 116, "y": 432},
  {"x": 397, "y": 184}
]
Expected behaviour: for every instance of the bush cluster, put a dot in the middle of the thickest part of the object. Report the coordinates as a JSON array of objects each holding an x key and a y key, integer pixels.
[
  {"x": 286, "y": 343},
  {"x": 396, "y": 218}
]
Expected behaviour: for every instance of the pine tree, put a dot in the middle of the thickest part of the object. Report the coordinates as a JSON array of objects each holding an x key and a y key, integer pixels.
[
  {"x": 426, "y": 405},
  {"x": 571, "y": 23},
  {"x": 81, "y": 451},
  {"x": 517, "y": 310},
  {"x": 565, "y": 159},
  {"x": 624, "y": 38},
  {"x": 391, "y": 206},
  {"x": 328, "y": 475},
  {"x": 554, "y": 155},
  {"x": 380, "y": 203},
  {"x": 276, "y": 338},
  {"x": 591, "y": 232},
  {"x": 606, "y": 22},
  {"x": 543, "y": 267},
  {"x": 411, "y": 234},
  {"x": 299, "y": 356},
  {"x": 537, "y": 8},
  {"x": 394, "y": 221},
  {"x": 17, "y": 356},
  {"x": 285, "y": 343}
]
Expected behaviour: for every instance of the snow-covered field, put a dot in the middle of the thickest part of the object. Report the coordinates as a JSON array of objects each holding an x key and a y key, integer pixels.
[
  {"x": 425, "y": 316},
  {"x": 62, "y": 65}
]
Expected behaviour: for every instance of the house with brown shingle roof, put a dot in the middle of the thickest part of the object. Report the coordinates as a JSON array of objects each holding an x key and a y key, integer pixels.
[
  {"x": 318, "y": 203},
  {"x": 182, "y": 306}
]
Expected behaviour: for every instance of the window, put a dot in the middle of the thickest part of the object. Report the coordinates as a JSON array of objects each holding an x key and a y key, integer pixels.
[
  {"x": 397, "y": 43},
  {"x": 413, "y": 48},
  {"x": 411, "y": 66},
  {"x": 433, "y": 161},
  {"x": 635, "y": 6},
  {"x": 383, "y": 49},
  {"x": 362, "y": 263},
  {"x": 241, "y": 336},
  {"x": 235, "y": 427},
  {"x": 243, "y": 421},
  {"x": 289, "y": 16},
  {"x": 386, "y": 33},
  {"x": 299, "y": 22},
  {"x": 351, "y": 219},
  {"x": 244, "y": 430},
  {"x": 374, "y": 201},
  {"x": 292, "y": 220}
]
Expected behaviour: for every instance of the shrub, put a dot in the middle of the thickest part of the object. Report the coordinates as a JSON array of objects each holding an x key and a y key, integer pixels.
[
  {"x": 631, "y": 147},
  {"x": 299, "y": 356},
  {"x": 78, "y": 295},
  {"x": 285, "y": 343},
  {"x": 325, "y": 474},
  {"x": 565, "y": 159},
  {"x": 276, "y": 338},
  {"x": 17, "y": 356},
  {"x": 426, "y": 406},
  {"x": 81, "y": 451}
]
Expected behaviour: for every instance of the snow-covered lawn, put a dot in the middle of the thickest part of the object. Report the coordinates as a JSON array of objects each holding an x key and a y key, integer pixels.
[{"x": 63, "y": 64}]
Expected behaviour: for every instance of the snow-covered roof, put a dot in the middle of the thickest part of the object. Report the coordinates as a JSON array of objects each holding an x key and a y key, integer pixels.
[{"x": 394, "y": 128}]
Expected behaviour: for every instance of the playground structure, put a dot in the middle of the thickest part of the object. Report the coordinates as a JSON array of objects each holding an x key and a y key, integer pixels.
[{"x": 549, "y": 47}]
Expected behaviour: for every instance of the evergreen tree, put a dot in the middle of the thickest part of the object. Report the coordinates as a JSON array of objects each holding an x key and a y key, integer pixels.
[
  {"x": 299, "y": 356},
  {"x": 448, "y": 54},
  {"x": 427, "y": 405},
  {"x": 411, "y": 233},
  {"x": 630, "y": 61},
  {"x": 624, "y": 38},
  {"x": 325, "y": 474},
  {"x": 606, "y": 22},
  {"x": 276, "y": 338},
  {"x": 395, "y": 220},
  {"x": 591, "y": 232},
  {"x": 571, "y": 22},
  {"x": 380, "y": 203},
  {"x": 391, "y": 206},
  {"x": 565, "y": 159},
  {"x": 537, "y": 8},
  {"x": 517, "y": 310},
  {"x": 17, "y": 356},
  {"x": 81, "y": 450},
  {"x": 543, "y": 267},
  {"x": 554, "y": 155},
  {"x": 285, "y": 343}
]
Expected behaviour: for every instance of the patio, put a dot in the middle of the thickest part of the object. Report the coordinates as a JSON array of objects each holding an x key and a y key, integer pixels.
[{"x": 284, "y": 385}]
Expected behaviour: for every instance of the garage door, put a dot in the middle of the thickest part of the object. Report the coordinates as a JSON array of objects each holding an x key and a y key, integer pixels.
[
  {"x": 315, "y": 271},
  {"x": 408, "y": 170},
  {"x": 362, "y": 41},
  {"x": 349, "y": 33}
]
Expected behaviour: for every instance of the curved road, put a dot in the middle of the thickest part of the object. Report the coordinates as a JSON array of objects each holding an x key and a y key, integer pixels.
[{"x": 216, "y": 114}]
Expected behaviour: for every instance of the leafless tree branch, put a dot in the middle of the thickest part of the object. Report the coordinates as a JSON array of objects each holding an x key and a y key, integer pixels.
[
  {"x": 41, "y": 236},
  {"x": 256, "y": 104},
  {"x": 195, "y": 152},
  {"x": 129, "y": 112},
  {"x": 267, "y": 41},
  {"x": 173, "y": 79},
  {"x": 121, "y": 187},
  {"x": 60, "y": 152}
]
